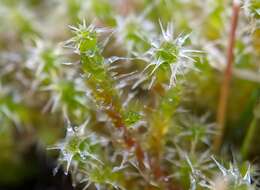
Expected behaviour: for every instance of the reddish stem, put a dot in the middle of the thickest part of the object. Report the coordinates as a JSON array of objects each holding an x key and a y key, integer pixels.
[
  {"x": 131, "y": 142},
  {"x": 224, "y": 93}
]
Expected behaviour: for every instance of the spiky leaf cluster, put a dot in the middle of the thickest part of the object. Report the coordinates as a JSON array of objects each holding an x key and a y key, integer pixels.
[{"x": 133, "y": 91}]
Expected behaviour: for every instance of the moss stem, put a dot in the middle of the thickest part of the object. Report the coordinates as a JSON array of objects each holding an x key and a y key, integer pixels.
[
  {"x": 248, "y": 140},
  {"x": 224, "y": 93}
]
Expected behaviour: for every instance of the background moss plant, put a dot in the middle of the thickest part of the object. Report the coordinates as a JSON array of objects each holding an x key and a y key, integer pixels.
[{"x": 127, "y": 92}]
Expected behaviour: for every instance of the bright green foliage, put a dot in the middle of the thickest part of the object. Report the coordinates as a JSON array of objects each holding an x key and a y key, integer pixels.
[{"x": 131, "y": 118}]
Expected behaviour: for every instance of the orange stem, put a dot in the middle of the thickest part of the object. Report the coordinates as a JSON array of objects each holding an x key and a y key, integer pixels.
[{"x": 224, "y": 93}]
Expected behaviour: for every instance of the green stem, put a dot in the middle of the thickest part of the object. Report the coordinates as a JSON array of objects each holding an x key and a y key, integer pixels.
[{"x": 249, "y": 138}]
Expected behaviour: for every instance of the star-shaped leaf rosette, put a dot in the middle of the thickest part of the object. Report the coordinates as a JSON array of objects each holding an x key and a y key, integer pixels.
[{"x": 169, "y": 53}]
